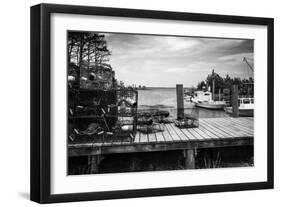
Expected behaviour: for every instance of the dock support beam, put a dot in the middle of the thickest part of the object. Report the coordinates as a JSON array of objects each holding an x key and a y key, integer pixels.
[
  {"x": 189, "y": 158},
  {"x": 235, "y": 112},
  {"x": 180, "y": 104},
  {"x": 93, "y": 162}
]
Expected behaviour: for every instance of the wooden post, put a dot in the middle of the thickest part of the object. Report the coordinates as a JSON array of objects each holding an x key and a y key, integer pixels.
[
  {"x": 235, "y": 111},
  {"x": 189, "y": 158},
  {"x": 93, "y": 161},
  {"x": 180, "y": 104},
  {"x": 219, "y": 94}
]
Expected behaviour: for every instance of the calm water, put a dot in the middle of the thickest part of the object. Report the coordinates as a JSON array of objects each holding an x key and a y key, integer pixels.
[{"x": 165, "y": 99}]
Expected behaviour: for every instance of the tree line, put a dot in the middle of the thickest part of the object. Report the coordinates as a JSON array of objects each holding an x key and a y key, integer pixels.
[
  {"x": 224, "y": 84},
  {"x": 87, "y": 47},
  {"x": 86, "y": 51}
]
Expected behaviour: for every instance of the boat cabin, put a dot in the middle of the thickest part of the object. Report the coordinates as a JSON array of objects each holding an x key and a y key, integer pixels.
[
  {"x": 246, "y": 103},
  {"x": 203, "y": 96}
]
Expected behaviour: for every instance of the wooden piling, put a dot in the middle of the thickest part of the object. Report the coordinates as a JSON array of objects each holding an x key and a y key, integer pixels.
[
  {"x": 189, "y": 158},
  {"x": 93, "y": 162},
  {"x": 234, "y": 100},
  {"x": 180, "y": 103}
]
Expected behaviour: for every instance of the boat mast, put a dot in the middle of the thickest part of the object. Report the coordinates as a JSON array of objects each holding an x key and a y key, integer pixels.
[
  {"x": 245, "y": 59},
  {"x": 213, "y": 84},
  {"x": 252, "y": 69},
  {"x": 213, "y": 91}
]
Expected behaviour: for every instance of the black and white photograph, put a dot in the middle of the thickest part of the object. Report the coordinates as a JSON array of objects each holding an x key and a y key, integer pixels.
[{"x": 143, "y": 102}]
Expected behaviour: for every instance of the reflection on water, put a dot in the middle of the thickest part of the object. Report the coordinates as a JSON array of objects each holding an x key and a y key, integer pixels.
[{"x": 165, "y": 99}]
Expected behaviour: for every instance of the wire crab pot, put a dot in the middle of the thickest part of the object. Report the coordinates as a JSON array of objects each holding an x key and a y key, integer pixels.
[{"x": 189, "y": 119}]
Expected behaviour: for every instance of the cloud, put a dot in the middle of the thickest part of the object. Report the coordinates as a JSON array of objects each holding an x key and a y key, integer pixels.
[
  {"x": 237, "y": 57},
  {"x": 167, "y": 60},
  {"x": 172, "y": 70},
  {"x": 178, "y": 43}
]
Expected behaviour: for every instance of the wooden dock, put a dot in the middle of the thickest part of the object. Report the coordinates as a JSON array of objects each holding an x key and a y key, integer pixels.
[{"x": 211, "y": 133}]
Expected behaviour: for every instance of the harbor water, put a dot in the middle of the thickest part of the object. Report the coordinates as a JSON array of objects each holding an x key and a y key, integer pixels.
[{"x": 165, "y": 99}]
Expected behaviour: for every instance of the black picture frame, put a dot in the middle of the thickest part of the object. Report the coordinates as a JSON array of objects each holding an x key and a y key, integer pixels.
[{"x": 40, "y": 102}]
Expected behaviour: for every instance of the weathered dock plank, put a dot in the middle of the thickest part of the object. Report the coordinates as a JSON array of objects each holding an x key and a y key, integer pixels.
[
  {"x": 137, "y": 137},
  {"x": 242, "y": 124},
  {"x": 197, "y": 134},
  {"x": 160, "y": 146},
  {"x": 242, "y": 120},
  {"x": 159, "y": 134},
  {"x": 167, "y": 135},
  {"x": 212, "y": 132},
  {"x": 170, "y": 133},
  {"x": 143, "y": 137},
  {"x": 247, "y": 123},
  {"x": 173, "y": 133},
  {"x": 203, "y": 134},
  {"x": 151, "y": 137},
  {"x": 233, "y": 128},
  {"x": 187, "y": 133},
  {"x": 179, "y": 132},
  {"x": 215, "y": 130},
  {"x": 227, "y": 128}
]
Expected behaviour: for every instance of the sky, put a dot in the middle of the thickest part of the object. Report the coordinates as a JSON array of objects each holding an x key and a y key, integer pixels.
[{"x": 164, "y": 61}]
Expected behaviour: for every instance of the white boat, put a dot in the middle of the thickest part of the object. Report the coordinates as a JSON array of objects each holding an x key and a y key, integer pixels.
[
  {"x": 204, "y": 100},
  {"x": 245, "y": 107}
]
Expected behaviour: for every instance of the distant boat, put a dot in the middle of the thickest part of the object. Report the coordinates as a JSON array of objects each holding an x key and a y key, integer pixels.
[
  {"x": 204, "y": 100},
  {"x": 245, "y": 107}
]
